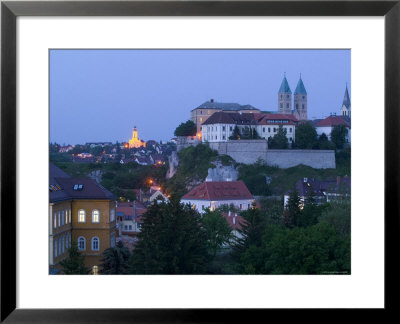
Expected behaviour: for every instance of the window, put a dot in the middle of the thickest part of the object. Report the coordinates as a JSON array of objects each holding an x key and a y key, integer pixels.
[
  {"x": 112, "y": 239},
  {"x": 60, "y": 245},
  {"x": 59, "y": 218},
  {"x": 240, "y": 206},
  {"x": 269, "y": 130},
  {"x": 287, "y": 96},
  {"x": 201, "y": 120},
  {"x": 63, "y": 244},
  {"x": 291, "y": 129},
  {"x": 230, "y": 128},
  {"x": 274, "y": 130},
  {"x": 281, "y": 105},
  {"x": 130, "y": 227},
  {"x": 81, "y": 216},
  {"x": 112, "y": 215},
  {"x": 263, "y": 129},
  {"x": 287, "y": 105},
  {"x": 290, "y": 139},
  {"x": 69, "y": 215},
  {"x": 303, "y": 97},
  {"x": 223, "y": 136},
  {"x": 62, "y": 218},
  {"x": 81, "y": 243},
  {"x": 95, "y": 216},
  {"x": 95, "y": 244},
  {"x": 297, "y": 106},
  {"x": 125, "y": 227},
  {"x": 55, "y": 248},
  {"x": 223, "y": 128},
  {"x": 55, "y": 220},
  {"x": 66, "y": 216},
  {"x": 303, "y": 106}
]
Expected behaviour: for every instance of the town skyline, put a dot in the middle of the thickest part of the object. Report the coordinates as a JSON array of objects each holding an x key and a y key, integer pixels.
[{"x": 105, "y": 93}]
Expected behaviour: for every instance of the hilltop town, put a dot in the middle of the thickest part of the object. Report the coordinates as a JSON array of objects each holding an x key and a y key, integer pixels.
[{"x": 234, "y": 191}]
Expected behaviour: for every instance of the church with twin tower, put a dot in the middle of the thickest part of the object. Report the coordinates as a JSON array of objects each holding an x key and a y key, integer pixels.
[{"x": 300, "y": 99}]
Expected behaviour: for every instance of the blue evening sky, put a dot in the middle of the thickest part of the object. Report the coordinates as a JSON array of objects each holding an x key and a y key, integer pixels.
[{"x": 100, "y": 95}]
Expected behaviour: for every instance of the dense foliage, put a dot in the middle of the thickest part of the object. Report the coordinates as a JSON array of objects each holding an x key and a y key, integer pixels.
[
  {"x": 306, "y": 136},
  {"x": 338, "y": 136},
  {"x": 115, "y": 260},
  {"x": 186, "y": 129},
  {"x": 75, "y": 262},
  {"x": 171, "y": 241},
  {"x": 279, "y": 140}
]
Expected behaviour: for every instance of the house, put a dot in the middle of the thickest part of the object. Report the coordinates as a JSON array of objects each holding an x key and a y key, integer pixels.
[
  {"x": 326, "y": 126},
  {"x": 129, "y": 217},
  {"x": 201, "y": 113},
  {"x": 220, "y": 126},
  {"x": 80, "y": 210},
  {"x": 212, "y": 195},
  {"x": 321, "y": 190}
]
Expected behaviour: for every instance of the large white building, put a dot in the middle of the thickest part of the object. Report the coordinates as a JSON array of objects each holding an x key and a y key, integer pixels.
[
  {"x": 220, "y": 126},
  {"x": 212, "y": 195}
]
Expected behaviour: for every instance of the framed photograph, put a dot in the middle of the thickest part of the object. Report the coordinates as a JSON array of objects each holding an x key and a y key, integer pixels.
[{"x": 183, "y": 151}]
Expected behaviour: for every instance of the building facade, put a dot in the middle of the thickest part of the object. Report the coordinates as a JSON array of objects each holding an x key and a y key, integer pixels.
[
  {"x": 216, "y": 194},
  {"x": 82, "y": 211},
  {"x": 201, "y": 113},
  {"x": 135, "y": 142}
]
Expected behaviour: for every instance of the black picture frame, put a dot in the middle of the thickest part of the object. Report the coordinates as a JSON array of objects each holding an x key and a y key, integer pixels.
[{"x": 10, "y": 10}]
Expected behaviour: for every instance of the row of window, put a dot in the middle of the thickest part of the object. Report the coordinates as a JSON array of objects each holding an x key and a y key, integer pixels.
[
  {"x": 275, "y": 129},
  {"x": 95, "y": 216},
  {"x": 62, "y": 244},
  {"x": 82, "y": 243},
  {"x": 61, "y": 218},
  {"x": 213, "y": 207}
]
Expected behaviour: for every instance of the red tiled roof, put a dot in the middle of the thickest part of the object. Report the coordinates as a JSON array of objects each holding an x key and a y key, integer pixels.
[
  {"x": 220, "y": 190},
  {"x": 239, "y": 220},
  {"x": 332, "y": 121}
]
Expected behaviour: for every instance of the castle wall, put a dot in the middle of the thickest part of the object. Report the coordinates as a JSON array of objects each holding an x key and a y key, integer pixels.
[{"x": 249, "y": 151}]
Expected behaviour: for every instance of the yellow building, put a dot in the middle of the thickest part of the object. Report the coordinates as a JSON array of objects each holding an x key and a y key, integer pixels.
[
  {"x": 135, "y": 142},
  {"x": 83, "y": 211}
]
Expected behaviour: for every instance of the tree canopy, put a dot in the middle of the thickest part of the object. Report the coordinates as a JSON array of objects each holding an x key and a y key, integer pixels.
[
  {"x": 279, "y": 141},
  {"x": 115, "y": 260},
  {"x": 186, "y": 129},
  {"x": 338, "y": 135},
  {"x": 306, "y": 136},
  {"x": 75, "y": 262}
]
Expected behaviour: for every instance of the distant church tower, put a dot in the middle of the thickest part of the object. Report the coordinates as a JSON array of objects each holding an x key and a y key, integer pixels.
[
  {"x": 346, "y": 105},
  {"x": 285, "y": 97},
  {"x": 135, "y": 142},
  {"x": 300, "y": 101}
]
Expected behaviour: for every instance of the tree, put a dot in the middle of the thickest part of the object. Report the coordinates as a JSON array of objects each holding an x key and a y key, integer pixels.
[
  {"x": 324, "y": 143},
  {"x": 292, "y": 211},
  {"x": 235, "y": 134},
  {"x": 338, "y": 215},
  {"x": 279, "y": 141},
  {"x": 254, "y": 134},
  {"x": 171, "y": 241},
  {"x": 74, "y": 263},
  {"x": 217, "y": 229},
  {"x": 306, "y": 136},
  {"x": 186, "y": 129},
  {"x": 338, "y": 135},
  {"x": 115, "y": 260}
]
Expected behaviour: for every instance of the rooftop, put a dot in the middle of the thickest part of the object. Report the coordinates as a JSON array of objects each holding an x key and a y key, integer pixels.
[{"x": 219, "y": 190}]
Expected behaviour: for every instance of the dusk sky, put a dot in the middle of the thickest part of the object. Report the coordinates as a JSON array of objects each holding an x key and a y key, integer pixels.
[{"x": 100, "y": 95}]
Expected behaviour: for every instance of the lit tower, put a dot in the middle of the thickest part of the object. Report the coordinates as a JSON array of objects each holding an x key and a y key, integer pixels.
[
  {"x": 300, "y": 101},
  {"x": 135, "y": 142},
  {"x": 285, "y": 97},
  {"x": 346, "y": 105}
]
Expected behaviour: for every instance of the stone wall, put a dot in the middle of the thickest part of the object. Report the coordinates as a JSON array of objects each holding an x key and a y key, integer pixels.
[
  {"x": 243, "y": 151},
  {"x": 317, "y": 159},
  {"x": 249, "y": 151}
]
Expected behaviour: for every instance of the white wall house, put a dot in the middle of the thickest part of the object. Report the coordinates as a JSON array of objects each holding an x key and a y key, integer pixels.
[
  {"x": 220, "y": 126},
  {"x": 326, "y": 126},
  {"x": 217, "y": 194}
]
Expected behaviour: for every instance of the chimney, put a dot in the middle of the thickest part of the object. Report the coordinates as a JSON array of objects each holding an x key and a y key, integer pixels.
[
  {"x": 338, "y": 180},
  {"x": 211, "y": 100}
]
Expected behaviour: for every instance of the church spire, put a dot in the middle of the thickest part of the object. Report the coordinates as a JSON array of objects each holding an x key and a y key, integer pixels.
[
  {"x": 300, "y": 89},
  {"x": 284, "y": 85},
  {"x": 346, "y": 99}
]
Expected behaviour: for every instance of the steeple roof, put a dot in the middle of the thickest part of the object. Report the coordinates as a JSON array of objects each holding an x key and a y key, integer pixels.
[
  {"x": 284, "y": 86},
  {"x": 346, "y": 99},
  {"x": 300, "y": 89}
]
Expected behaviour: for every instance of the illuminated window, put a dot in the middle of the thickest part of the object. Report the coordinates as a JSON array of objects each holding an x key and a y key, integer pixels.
[
  {"x": 55, "y": 220},
  {"x": 194, "y": 206},
  {"x": 95, "y": 244},
  {"x": 95, "y": 270},
  {"x": 81, "y": 243},
  {"x": 95, "y": 216},
  {"x": 81, "y": 216}
]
